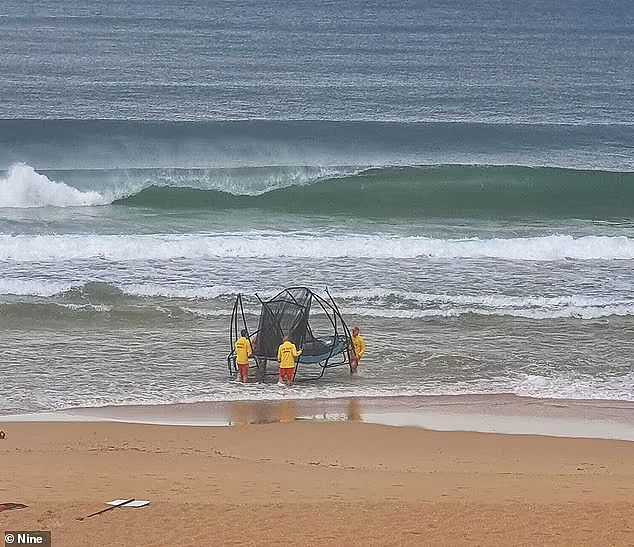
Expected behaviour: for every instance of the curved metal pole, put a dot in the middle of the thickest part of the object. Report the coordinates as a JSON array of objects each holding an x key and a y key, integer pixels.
[
  {"x": 344, "y": 325},
  {"x": 321, "y": 302},
  {"x": 233, "y": 328}
]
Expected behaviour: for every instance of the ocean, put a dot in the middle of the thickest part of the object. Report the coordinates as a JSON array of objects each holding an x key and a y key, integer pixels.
[{"x": 459, "y": 175}]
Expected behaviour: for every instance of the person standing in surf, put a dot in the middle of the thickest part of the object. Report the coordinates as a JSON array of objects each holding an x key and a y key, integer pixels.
[
  {"x": 286, "y": 354},
  {"x": 358, "y": 349},
  {"x": 243, "y": 352}
]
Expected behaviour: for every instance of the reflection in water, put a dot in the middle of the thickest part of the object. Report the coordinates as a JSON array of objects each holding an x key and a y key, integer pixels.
[
  {"x": 286, "y": 412},
  {"x": 258, "y": 412},
  {"x": 245, "y": 412},
  {"x": 354, "y": 410},
  {"x": 239, "y": 414}
]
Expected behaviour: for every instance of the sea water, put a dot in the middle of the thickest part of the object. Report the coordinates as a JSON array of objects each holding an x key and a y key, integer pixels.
[{"x": 459, "y": 175}]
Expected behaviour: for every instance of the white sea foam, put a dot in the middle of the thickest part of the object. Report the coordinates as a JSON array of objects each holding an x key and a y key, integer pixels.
[
  {"x": 24, "y": 188},
  {"x": 383, "y": 297},
  {"x": 576, "y": 386},
  {"x": 32, "y": 287},
  {"x": 590, "y": 312},
  {"x": 45, "y": 287},
  {"x": 280, "y": 245},
  {"x": 245, "y": 182},
  {"x": 561, "y": 386},
  {"x": 572, "y": 312},
  {"x": 219, "y": 312},
  {"x": 93, "y": 307},
  {"x": 488, "y": 300},
  {"x": 175, "y": 291},
  {"x": 375, "y": 302}
]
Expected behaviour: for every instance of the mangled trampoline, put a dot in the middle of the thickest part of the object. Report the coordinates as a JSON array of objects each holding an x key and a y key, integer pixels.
[{"x": 313, "y": 323}]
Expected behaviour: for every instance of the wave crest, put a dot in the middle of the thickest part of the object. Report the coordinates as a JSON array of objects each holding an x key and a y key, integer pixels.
[
  {"x": 387, "y": 191},
  {"x": 24, "y": 188}
]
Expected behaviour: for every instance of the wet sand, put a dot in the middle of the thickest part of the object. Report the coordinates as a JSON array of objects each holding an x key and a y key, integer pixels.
[{"x": 479, "y": 413}]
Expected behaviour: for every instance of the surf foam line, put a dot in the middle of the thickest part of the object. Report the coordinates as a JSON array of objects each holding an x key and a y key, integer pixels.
[
  {"x": 165, "y": 247},
  {"x": 371, "y": 302},
  {"x": 565, "y": 312},
  {"x": 54, "y": 310},
  {"x": 384, "y": 297},
  {"x": 391, "y": 296},
  {"x": 216, "y": 301},
  {"x": 33, "y": 287},
  {"x": 559, "y": 387}
]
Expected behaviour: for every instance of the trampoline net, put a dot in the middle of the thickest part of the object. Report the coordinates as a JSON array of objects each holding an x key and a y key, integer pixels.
[{"x": 284, "y": 315}]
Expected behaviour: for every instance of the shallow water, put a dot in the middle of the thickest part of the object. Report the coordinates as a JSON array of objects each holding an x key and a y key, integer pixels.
[{"x": 465, "y": 193}]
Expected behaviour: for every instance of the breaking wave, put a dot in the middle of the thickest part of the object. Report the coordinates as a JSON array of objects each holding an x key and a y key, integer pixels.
[
  {"x": 24, "y": 188},
  {"x": 409, "y": 191}
]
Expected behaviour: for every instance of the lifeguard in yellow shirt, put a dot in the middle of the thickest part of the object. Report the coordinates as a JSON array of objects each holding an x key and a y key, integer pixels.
[
  {"x": 243, "y": 352},
  {"x": 358, "y": 349},
  {"x": 286, "y": 354}
]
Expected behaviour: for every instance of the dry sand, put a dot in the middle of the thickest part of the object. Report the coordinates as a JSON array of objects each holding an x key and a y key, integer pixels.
[{"x": 314, "y": 484}]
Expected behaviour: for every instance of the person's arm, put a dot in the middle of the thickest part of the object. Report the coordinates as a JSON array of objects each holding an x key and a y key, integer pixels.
[
  {"x": 249, "y": 348},
  {"x": 362, "y": 347},
  {"x": 296, "y": 352},
  {"x": 279, "y": 354}
]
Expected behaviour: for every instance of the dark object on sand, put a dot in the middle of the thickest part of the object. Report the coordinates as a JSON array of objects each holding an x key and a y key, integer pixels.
[
  {"x": 289, "y": 314},
  {"x": 106, "y": 509},
  {"x": 2, "y": 435},
  {"x": 10, "y": 506}
]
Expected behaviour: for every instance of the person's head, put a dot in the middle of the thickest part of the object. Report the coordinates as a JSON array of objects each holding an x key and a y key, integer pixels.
[
  {"x": 287, "y": 339},
  {"x": 243, "y": 332},
  {"x": 355, "y": 331}
]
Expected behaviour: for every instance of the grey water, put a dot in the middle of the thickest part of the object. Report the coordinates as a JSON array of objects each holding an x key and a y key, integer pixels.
[{"x": 459, "y": 175}]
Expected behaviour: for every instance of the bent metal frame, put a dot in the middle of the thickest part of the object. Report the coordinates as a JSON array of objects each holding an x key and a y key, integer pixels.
[{"x": 288, "y": 314}]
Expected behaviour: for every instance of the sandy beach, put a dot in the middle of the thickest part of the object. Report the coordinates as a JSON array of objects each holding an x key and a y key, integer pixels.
[{"x": 310, "y": 483}]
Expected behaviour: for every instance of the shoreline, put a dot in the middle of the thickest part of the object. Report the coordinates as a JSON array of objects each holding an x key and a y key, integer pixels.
[{"x": 503, "y": 414}]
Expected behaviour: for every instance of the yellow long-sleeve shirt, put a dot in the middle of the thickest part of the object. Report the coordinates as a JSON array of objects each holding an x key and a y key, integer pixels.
[
  {"x": 286, "y": 354},
  {"x": 243, "y": 350},
  {"x": 359, "y": 345}
]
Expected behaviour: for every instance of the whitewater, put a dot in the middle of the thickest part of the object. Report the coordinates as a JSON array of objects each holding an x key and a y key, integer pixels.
[{"x": 127, "y": 277}]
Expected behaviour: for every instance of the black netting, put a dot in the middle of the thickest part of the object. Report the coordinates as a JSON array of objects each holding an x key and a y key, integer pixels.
[{"x": 284, "y": 315}]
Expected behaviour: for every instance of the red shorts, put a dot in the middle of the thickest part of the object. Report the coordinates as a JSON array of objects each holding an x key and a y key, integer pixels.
[
  {"x": 244, "y": 369},
  {"x": 287, "y": 373}
]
